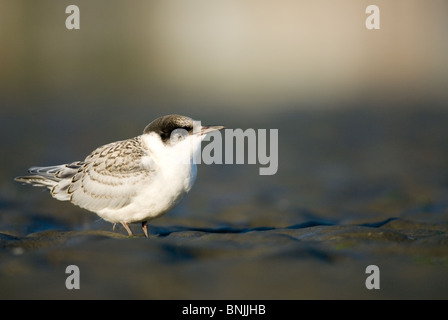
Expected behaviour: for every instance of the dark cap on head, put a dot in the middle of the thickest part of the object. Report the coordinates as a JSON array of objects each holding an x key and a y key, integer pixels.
[{"x": 163, "y": 126}]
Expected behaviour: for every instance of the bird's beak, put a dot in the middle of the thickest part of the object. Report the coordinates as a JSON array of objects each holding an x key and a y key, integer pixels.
[{"x": 207, "y": 129}]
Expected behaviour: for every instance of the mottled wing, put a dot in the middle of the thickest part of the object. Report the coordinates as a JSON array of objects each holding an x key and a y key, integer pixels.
[{"x": 111, "y": 176}]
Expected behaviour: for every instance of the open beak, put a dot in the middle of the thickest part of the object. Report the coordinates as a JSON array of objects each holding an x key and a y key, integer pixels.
[{"x": 207, "y": 129}]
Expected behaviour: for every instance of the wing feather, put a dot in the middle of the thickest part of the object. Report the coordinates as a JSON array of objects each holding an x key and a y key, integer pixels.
[{"x": 110, "y": 177}]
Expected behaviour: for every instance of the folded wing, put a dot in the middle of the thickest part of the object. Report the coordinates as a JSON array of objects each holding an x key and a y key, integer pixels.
[{"x": 108, "y": 178}]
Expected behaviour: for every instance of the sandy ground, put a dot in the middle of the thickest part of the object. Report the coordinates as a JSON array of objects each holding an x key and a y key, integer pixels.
[{"x": 354, "y": 189}]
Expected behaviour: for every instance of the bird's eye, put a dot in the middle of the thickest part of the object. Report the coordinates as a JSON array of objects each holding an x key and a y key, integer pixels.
[{"x": 178, "y": 135}]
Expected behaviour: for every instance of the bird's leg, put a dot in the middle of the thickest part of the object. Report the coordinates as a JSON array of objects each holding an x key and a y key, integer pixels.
[
  {"x": 145, "y": 228},
  {"x": 125, "y": 225}
]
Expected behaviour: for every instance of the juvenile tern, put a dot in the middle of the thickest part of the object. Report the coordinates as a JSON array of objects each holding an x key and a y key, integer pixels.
[{"x": 134, "y": 180}]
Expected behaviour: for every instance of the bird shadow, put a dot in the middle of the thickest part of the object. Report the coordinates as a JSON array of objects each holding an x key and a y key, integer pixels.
[{"x": 161, "y": 231}]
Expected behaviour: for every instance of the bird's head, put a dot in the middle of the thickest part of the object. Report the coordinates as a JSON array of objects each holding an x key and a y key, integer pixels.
[{"x": 178, "y": 135}]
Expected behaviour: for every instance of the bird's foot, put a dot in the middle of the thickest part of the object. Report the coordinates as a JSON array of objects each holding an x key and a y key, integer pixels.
[
  {"x": 125, "y": 225},
  {"x": 145, "y": 228}
]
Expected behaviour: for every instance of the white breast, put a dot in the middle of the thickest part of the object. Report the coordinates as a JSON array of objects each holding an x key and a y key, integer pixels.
[{"x": 170, "y": 180}]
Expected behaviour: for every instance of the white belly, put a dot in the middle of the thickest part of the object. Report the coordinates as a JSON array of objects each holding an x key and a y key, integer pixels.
[{"x": 156, "y": 197}]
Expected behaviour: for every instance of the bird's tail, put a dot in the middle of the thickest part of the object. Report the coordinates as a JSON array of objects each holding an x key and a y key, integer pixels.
[{"x": 53, "y": 177}]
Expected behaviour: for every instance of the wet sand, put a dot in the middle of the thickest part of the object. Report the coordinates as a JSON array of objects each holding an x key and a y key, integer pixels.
[
  {"x": 353, "y": 189},
  {"x": 297, "y": 262}
]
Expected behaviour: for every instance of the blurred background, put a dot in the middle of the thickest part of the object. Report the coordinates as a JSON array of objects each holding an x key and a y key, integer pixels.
[
  {"x": 238, "y": 55},
  {"x": 362, "y": 114},
  {"x": 348, "y": 102}
]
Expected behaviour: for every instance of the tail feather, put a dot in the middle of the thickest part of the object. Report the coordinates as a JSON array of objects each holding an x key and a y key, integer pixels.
[
  {"x": 50, "y": 176},
  {"x": 37, "y": 181}
]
